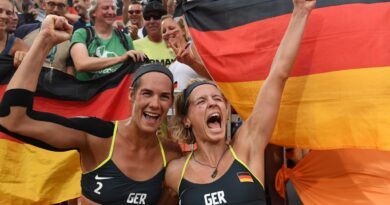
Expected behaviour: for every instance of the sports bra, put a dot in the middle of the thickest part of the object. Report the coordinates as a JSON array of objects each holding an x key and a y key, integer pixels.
[
  {"x": 106, "y": 184},
  {"x": 238, "y": 186}
]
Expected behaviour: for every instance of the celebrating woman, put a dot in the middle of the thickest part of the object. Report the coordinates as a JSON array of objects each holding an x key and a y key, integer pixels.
[
  {"x": 213, "y": 173},
  {"x": 122, "y": 162}
]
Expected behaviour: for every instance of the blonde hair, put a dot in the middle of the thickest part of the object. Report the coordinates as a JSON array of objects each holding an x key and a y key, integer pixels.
[
  {"x": 93, "y": 7},
  {"x": 180, "y": 22}
]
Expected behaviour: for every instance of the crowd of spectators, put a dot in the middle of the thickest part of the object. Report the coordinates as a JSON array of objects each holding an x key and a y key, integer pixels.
[{"x": 106, "y": 33}]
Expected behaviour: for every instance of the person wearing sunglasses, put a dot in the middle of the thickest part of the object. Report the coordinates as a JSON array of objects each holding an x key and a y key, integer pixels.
[
  {"x": 59, "y": 58},
  {"x": 123, "y": 162},
  {"x": 152, "y": 44},
  {"x": 133, "y": 19}
]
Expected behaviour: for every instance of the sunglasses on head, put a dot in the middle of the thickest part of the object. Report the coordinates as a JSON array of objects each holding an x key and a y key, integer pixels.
[
  {"x": 134, "y": 11},
  {"x": 155, "y": 17}
]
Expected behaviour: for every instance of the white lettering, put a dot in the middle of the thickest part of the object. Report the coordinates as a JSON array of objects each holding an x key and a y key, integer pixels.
[
  {"x": 221, "y": 197},
  {"x": 142, "y": 199},
  {"x": 136, "y": 198},
  {"x": 215, "y": 198},
  {"x": 100, "y": 186},
  {"x": 207, "y": 199}
]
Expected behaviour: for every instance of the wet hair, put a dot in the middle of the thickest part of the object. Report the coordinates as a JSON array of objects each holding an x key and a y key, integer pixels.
[
  {"x": 92, "y": 9},
  {"x": 180, "y": 131}
]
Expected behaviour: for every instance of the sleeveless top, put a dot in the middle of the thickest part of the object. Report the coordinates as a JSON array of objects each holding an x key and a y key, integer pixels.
[
  {"x": 238, "y": 186},
  {"x": 106, "y": 184},
  {"x": 8, "y": 45}
]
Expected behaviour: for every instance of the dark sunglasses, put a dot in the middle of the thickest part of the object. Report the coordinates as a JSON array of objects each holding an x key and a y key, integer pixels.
[
  {"x": 134, "y": 12},
  {"x": 51, "y": 5},
  {"x": 155, "y": 17}
]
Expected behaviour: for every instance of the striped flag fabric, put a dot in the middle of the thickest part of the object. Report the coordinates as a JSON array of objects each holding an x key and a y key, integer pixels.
[
  {"x": 30, "y": 175},
  {"x": 244, "y": 177},
  {"x": 341, "y": 176},
  {"x": 338, "y": 92}
]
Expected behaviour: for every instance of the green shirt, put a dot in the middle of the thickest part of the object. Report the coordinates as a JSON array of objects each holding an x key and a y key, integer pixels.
[
  {"x": 101, "y": 48},
  {"x": 156, "y": 52}
]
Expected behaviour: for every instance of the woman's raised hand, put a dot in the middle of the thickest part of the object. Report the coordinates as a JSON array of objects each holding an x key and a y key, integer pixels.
[{"x": 56, "y": 29}]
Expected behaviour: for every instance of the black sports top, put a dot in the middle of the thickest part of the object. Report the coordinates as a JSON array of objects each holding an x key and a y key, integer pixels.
[
  {"x": 8, "y": 45},
  {"x": 106, "y": 184},
  {"x": 238, "y": 186}
]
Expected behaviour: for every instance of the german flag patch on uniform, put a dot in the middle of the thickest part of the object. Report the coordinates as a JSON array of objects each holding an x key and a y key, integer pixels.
[{"x": 245, "y": 177}]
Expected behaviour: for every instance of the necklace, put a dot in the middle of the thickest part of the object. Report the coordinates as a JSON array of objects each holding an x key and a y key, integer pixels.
[{"x": 215, "y": 172}]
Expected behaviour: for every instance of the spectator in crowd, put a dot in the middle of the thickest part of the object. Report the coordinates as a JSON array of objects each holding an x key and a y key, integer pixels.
[
  {"x": 133, "y": 19},
  {"x": 82, "y": 7},
  {"x": 13, "y": 22},
  {"x": 9, "y": 45},
  {"x": 231, "y": 172},
  {"x": 123, "y": 162},
  {"x": 28, "y": 12},
  {"x": 153, "y": 45},
  {"x": 107, "y": 49},
  {"x": 40, "y": 12},
  {"x": 59, "y": 57},
  {"x": 186, "y": 67},
  {"x": 170, "y": 5}
]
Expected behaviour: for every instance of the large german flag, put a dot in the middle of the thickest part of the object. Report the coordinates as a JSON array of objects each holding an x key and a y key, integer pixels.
[
  {"x": 338, "y": 95},
  {"x": 341, "y": 176},
  {"x": 30, "y": 175}
]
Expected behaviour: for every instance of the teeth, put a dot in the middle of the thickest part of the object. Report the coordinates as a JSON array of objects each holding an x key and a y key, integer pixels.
[
  {"x": 214, "y": 115},
  {"x": 151, "y": 115},
  {"x": 214, "y": 118}
]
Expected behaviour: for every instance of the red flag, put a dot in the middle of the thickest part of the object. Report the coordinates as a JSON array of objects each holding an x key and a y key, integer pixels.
[{"x": 337, "y": 95}]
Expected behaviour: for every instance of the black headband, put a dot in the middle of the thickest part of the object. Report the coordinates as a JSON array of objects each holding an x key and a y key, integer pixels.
[
  {"x": 153, "y": 67},
  {"x": 187, "y": 92}
]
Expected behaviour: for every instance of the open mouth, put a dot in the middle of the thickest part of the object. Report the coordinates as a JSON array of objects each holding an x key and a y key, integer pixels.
[
  {"x": 151, "y": 116},
  {"x": 214, "y": 121}
]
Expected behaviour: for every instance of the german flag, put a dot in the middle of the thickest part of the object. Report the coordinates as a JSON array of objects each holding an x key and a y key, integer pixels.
[
  {"x": 30, "y": 175},
  {"x": 244, "y": 177},
  {"x": 338, "y": 93}
]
